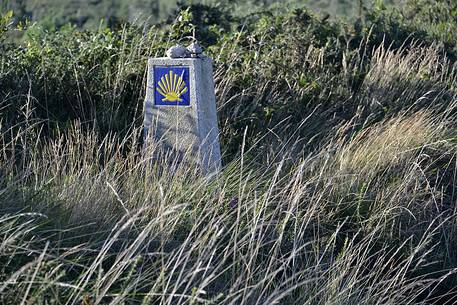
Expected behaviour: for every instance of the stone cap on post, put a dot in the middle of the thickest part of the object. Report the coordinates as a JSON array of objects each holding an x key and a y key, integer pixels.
[{"x": 180, "y": 106}]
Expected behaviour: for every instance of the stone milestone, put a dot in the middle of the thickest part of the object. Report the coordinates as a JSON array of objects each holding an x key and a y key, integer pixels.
[{"x": 180, "y": 106}]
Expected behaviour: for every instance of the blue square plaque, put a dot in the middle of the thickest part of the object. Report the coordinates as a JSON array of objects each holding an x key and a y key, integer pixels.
[{"x": 171, "y": 86}]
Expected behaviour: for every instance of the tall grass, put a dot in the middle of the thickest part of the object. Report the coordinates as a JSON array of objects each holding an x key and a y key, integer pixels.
[
  {"x": 365, "y": 220},
  {"x": 347, "y": 195}
]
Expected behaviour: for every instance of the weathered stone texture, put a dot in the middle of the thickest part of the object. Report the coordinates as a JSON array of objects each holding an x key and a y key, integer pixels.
[{"x": 191, "y": 132}]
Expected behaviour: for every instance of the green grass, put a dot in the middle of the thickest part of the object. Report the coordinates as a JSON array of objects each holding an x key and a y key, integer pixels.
[{"x": 338, "y": 185}]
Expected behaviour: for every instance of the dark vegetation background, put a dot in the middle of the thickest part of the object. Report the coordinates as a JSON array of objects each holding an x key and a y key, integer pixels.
[
  {"x": 89, "y": 13},
  {"x": 339, "y": 141},
  {"x": 98, "y": 75}
]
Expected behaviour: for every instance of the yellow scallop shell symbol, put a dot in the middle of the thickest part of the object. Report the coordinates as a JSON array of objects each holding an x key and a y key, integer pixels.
[{"x": 172, "y": 86}]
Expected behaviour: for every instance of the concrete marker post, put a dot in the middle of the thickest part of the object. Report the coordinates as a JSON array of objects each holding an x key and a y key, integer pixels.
[{"x": 180, "y": 107}]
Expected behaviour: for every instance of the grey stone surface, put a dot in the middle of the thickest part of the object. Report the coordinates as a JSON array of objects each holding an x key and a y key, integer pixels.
[
  {"x": 178, "y": 51},
  {"x": 191, "y": 132},
  {"x": 195, "y": 49}
]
